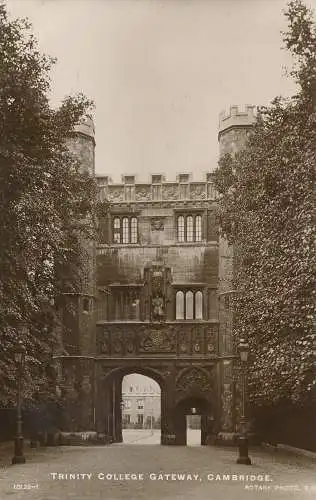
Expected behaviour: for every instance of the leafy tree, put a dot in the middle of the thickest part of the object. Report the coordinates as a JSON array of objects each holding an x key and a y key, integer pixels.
[
  {"x": 266, "y": 212},
  {"x": 45, "y": 202}
]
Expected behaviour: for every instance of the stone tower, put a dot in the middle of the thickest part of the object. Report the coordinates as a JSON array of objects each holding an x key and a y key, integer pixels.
[
  {"x": 82, "y": 145},
  {"x": 79, "y": 311},
  {"x": 233, "y": 131}
]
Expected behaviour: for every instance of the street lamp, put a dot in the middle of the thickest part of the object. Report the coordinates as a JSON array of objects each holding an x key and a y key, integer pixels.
[
  {"x": 19, "y": 357},
  {"x": 243, "y": 458}
]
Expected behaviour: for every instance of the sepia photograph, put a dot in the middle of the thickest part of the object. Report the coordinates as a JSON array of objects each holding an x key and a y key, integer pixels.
[{"x": 157, "y": 249}]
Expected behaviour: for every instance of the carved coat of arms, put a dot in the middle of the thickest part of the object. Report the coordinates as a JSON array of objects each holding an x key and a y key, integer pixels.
[
  {"x": 158, "y": 341},
  {"x": 157, "y": 224}
]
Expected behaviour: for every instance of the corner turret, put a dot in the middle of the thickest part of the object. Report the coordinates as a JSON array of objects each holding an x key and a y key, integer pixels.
[
  {"x": 86, "y": 127},
  {"x": 234, "y": 127},
  {"x": 82, "y": 144}
]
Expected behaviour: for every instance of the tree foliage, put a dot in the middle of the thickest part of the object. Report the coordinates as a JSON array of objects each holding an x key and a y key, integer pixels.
[
  {"x": 266, "y": 212},
  {"x": 45, "y": 201}
]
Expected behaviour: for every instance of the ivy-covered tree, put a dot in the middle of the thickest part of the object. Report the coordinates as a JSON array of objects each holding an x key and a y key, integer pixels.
[
  {"x": 266, "y": 212},
  {"x": 45, "y": 203}
]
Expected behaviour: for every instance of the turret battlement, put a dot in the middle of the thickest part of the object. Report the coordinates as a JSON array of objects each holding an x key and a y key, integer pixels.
[
  {"x": 86, "y": 126},
  {"x": 237, "y": 117}
]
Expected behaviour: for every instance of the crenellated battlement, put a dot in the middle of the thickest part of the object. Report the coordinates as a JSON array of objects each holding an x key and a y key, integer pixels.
[
  {"x": 157, "y": 189},
  {"x": 155, "y": 179},
  {"x": 237, "y": 117}
]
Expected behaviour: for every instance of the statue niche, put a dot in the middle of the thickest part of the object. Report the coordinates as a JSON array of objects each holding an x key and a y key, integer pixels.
[
  {"x": 158, "y": 306},
  {"x": 157, "y": 282}
]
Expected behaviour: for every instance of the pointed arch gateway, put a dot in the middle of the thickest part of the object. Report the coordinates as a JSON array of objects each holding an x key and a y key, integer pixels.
[
  {"x": 111, "y": 411},
  {"x": 194, "y": 395}
]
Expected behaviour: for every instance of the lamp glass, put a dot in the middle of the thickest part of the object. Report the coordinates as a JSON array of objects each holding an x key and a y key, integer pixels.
[
  {"x": 243, "y": 349},
  {"x": 244, "y": 356}
]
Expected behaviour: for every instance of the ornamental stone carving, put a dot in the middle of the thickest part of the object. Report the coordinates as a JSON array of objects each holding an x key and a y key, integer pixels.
[
  {"x": 129, "y": 343},
  {"x": 143, "y": 193},
  {"x": 157, "y": 223},
  {"x": 198, "y": 191},
  {"x": 194, "y": 380},
  {"x": 158, "y": 341},
  {"x": 184, "y": 343},
  {"x": 211, "y": 341},
  {"x": 116, "y": 193},
  {"x": 170, "y": 191},
  {"x": 227, "y": 397},
  {"x": 197, "y": 341},
  {"x": 117, "y": 342},
  {"x": 104, "y": 344},
  {"x": 227, "y": 401},
  {"x": 104, "y": 347}
]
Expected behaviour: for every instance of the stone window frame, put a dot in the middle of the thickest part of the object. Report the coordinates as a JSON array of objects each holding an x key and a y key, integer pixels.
[
  {"x": 125, "y": 229},
  {"x": 187, "y": 228},
  {"x": 194, "y": 290}
]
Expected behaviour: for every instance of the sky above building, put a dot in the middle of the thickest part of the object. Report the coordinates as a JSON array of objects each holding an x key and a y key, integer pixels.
[{"x": 160, "y": 71}]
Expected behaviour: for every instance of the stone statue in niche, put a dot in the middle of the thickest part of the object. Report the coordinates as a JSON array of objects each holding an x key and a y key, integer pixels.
[
  {"x": 157, "y": 224},
  {"x": 158, "y": 307}
]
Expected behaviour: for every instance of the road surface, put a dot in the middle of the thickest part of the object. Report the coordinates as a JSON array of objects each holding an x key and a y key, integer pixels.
[{"x": 142, "y": 470}]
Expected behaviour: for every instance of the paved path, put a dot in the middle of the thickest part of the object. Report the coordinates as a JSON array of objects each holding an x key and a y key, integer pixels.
[
  {"x": 147, "y": 436},
  {"x": 154, "y": 472},
  {"x": 142, "y": 437}
]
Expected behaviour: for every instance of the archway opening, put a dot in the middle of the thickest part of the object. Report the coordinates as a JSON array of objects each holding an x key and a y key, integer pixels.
[{"x": 140, "y": 409}]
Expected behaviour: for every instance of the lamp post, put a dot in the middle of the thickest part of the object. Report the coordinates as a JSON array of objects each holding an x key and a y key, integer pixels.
[
  {"x": 19, "y": 356},
  {"x": 243, "y": 457}
]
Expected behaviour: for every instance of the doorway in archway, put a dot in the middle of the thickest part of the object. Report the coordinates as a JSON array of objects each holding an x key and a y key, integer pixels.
[
  {"x": 193, "y": 429},
  {"x": 140, "y": 410},
  {"x": 192, "y": 412}
]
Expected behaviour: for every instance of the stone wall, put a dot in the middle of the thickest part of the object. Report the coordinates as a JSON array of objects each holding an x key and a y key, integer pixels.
[{"x": 188, "y": 264}]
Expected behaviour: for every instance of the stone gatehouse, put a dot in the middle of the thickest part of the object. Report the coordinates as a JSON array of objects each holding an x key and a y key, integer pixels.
[{"x": 155, "y": 300}]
